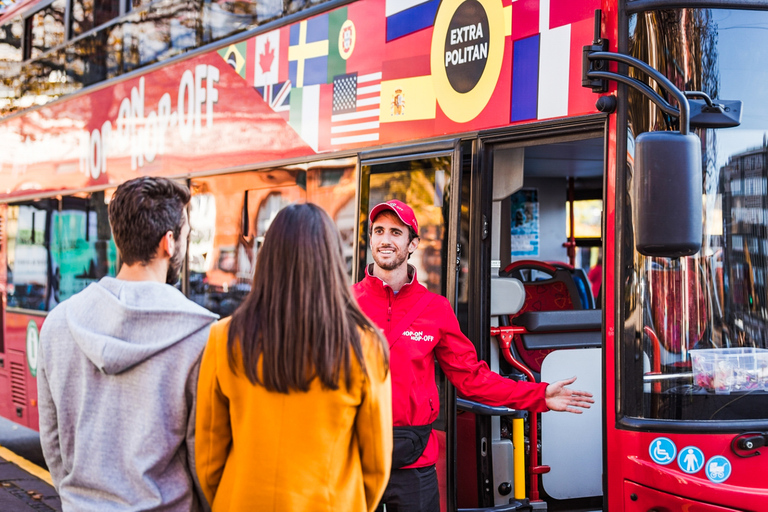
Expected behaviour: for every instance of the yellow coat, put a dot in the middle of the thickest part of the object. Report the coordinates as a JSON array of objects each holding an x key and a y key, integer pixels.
[{"x": 321, "y": 450}]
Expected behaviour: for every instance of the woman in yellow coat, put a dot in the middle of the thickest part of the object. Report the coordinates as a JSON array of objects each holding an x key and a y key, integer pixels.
[{"x": 294, "y": 406}]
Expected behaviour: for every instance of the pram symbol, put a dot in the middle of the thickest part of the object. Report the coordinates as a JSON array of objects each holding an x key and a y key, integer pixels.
[{"x": 718, "y": 469}]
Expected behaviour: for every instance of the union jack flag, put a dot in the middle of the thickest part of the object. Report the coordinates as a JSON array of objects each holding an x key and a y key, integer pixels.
[{"x": 277, "y": 96}]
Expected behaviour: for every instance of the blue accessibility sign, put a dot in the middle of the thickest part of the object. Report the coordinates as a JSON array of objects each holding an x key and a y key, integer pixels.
[
  {"x": 690, "y": 459},
  {"x": 718, "y": 469},
  {"x": 662, "y": 450}
]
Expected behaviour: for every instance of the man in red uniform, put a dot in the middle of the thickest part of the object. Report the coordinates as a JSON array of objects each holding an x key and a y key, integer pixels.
[{"x": 421, "y": 326}]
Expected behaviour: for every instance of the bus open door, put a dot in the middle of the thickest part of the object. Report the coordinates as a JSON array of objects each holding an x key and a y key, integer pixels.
[{"x": 540, "y": 321}]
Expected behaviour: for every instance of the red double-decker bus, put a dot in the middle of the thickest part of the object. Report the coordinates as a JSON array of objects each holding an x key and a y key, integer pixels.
[{"x": 589, "y": 177}]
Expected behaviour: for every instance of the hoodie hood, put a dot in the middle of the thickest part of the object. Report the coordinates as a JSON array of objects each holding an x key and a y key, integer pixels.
[{"x": 119, "y": 324}]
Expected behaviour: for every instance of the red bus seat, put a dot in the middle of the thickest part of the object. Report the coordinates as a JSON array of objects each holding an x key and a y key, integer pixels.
[{"x": 550, "y": 287}]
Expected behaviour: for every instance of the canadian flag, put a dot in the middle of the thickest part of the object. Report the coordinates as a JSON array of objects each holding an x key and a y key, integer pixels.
[{"x": 267, "y": 59}]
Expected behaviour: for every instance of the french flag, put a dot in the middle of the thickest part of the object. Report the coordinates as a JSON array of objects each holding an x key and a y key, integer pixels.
[{"x": 548, "y": 36}]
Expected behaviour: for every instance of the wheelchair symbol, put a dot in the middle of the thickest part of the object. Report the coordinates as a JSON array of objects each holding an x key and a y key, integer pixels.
[{"x": 662, "y": 450}]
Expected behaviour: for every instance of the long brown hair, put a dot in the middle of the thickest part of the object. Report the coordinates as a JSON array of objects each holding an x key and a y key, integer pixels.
[{"x": 300, "y": 318}]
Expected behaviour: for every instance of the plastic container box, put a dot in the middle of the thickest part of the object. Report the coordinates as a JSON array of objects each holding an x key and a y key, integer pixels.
[{"x": 730, "y": 370}]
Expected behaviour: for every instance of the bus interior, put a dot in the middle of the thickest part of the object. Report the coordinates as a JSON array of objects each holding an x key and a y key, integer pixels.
[{"x": 545, "y": 312}]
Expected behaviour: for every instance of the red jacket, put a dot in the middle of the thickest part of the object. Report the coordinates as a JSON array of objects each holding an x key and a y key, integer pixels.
[{"x": 435, "y": 333}]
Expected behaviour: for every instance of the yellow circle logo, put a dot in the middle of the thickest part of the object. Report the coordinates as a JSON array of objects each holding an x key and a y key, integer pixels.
[
  {"x": 347, "y": 39},
  {"x": 467, "y": 54}
]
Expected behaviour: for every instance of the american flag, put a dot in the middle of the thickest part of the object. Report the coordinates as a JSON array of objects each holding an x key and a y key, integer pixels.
[
  {"x": 277, "y": 96},
  {"x": 355, "y": 114}
]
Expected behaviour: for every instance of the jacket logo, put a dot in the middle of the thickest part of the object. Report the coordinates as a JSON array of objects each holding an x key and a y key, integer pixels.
[{"x": 418, "y": 336}]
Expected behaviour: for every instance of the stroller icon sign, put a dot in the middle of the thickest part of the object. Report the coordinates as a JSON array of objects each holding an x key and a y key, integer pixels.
[{"x": 718, "y": 469}]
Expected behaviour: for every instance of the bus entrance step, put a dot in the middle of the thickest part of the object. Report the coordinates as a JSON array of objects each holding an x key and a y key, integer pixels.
[{"x": 25, "y": 487}]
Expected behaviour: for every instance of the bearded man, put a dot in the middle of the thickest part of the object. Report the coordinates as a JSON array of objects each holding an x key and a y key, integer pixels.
[{"x": 118, "y": 366}]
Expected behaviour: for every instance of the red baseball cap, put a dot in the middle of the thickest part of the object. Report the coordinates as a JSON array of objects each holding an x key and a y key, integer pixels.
[{"x": 402, "y": 210}]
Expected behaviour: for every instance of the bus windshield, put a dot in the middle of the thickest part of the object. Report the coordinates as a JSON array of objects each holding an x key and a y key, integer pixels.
[{"x": 695, "y": 339}]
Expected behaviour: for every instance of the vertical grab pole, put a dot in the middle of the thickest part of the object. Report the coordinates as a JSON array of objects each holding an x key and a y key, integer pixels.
[
  {"x": 571, "y": 243},
  {"x": 505, "y": 335},
  {"x": 518, "y": 441}
]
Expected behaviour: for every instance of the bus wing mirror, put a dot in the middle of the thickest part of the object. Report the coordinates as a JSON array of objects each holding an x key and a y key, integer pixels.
[
  {"x": 715, "y": 113},
  {"x": 667, "y": 194}
]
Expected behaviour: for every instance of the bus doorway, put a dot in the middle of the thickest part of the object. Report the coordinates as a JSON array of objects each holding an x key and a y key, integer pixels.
[
  {"x": 423, "y": 179},
  {"x": 544, "y": 203}
]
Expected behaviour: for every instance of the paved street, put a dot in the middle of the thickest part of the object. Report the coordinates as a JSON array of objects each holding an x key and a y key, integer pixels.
[{"x": 24, "y": 483}]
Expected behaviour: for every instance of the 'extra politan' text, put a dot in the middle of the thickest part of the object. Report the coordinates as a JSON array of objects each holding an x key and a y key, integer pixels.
[
  {"x": 141, "y": 132},
  {"x": 468, "y": 53}
]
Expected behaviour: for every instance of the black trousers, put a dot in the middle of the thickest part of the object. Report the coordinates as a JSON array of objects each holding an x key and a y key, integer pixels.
[{"x": 411, "y": 490}]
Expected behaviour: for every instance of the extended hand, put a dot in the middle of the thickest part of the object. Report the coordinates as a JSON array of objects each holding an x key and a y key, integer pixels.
[{"x": 560, "y": 398}]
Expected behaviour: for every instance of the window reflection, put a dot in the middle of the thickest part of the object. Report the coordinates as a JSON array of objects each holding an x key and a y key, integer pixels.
[
  {"x": 150, "y": 32},
  {"x": 45, "y": 29},
  {"x": 27, "y": 256},
  {"x": 88, "y": 14},
  {"x": 10, "y": 62},
  {"x": 56, "y": 248},
  {"x": 420, "y": 184},
  {"x": 82, "y": 249},
  {"x": 230, "y": 214}
]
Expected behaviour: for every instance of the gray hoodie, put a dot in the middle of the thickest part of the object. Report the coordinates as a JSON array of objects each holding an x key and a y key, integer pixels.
[{"x": 117, "y": 376}]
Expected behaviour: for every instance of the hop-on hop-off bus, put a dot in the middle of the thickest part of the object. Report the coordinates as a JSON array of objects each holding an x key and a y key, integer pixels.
[{"x": 590, "y": 179}]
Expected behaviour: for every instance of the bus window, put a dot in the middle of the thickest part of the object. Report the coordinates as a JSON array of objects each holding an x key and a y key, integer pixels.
[
  {"x": 221, "y": 19},
  {"x": 10, "y": 56},
  {"x": 420, "y": 184},
  {"x": 45, "y": 29},
  {"x": 332, "y": 186},
  {"x": 82, "y": 249},
  {"x": 27, "y": 256},
  {"x": 695, "y": 339},
  {"x": 88, "y": 14},
  {"x": 585, "y": 236},
  {"x": 222, "y": 257}
]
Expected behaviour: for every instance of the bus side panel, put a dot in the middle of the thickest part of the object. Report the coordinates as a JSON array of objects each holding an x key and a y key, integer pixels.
[
  {"x": 737, "y": 485},
  {"x": 6, "y": 408},
  {"x": 21, "y": 367}
]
